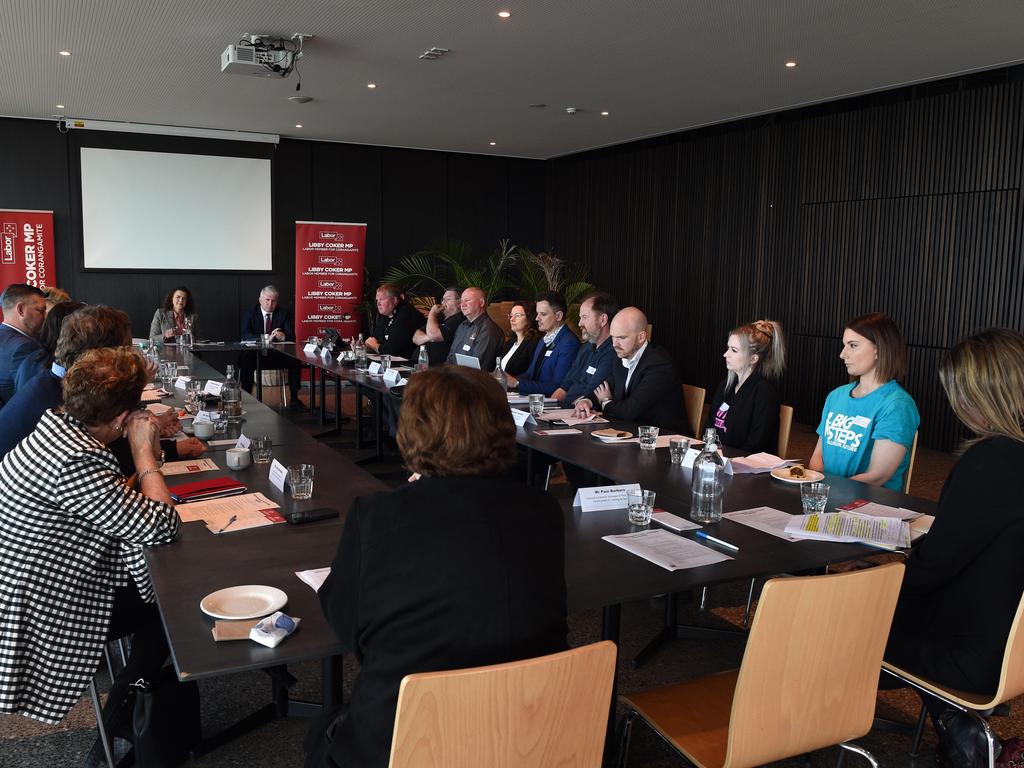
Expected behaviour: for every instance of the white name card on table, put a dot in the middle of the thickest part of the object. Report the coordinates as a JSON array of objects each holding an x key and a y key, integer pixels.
[
  {"x": 604, "y": 497},
  {"x": 182, "y": 382},
  {"x": 374, "y": 369},
  {"x": 202, "y": 416},
  {"x": 675, "y": 522},
  {"x": 392, "y": 377},
  {"x": 278, "y": 475},
  {"x": 690, "y": 457},
  {"x": 213, "y": 387},
  {"x": 309, "y": 349},
  {"x": 243, "y": 442},
  {"x": 315, "y": 577},
  {"x": 522, "y": 418}
]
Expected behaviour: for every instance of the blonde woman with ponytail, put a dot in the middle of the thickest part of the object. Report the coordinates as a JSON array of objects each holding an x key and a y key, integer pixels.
[{"x": 745, "y": 408}]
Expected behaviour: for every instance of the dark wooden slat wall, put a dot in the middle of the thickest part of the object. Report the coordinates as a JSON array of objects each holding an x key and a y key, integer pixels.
[{"x": 907, "y": 204}]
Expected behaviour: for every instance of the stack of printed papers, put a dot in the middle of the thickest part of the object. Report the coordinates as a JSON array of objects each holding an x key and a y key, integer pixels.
[{"x": 884, "y": 532}]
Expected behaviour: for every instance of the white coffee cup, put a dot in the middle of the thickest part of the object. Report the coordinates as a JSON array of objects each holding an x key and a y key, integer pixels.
[
  {"x": 237, "y": 458},
  {"x": 203, "y": 429}
]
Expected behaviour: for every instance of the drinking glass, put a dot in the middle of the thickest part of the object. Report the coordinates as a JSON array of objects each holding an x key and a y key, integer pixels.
[
  {"x": 677, "y": 448},
  {"x": 300, "y": 480},
  {"x": 168, "y": 373},
  {"x": 266, "y": 339},
  {"x": 194, "y": 397},
  {"x": 814, "y": 497},
  {"x": 536, "y": 405},
  {"x": 648, "y": 438},
  {"x": 641, "y": 506},
  {"x": 261, "y": 446}
]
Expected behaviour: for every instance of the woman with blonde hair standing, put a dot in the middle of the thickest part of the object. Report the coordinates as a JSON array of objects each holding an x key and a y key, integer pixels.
[{"x": 745, "y": 407}]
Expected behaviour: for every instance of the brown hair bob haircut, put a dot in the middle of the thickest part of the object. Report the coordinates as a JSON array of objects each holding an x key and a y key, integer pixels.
[
  {"x": 455, "y": 421},
  {"x": 881, "y": 331},
  {"x": 103, "y": 384},
  {"x": 89, "y": 328},
  {"x": 983, "y": 377}
]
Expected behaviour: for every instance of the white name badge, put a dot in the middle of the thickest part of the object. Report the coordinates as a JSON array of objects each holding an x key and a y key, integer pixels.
[
  {"x": 375, "y": 369},
  {"x": 548, "y": 353},
  {"x": 392, "y": 377},
  {"x": 465, "y": 347},
  {"x": 213, "y": 387},
  {"x": 243, "y": 442},
  {"x": 604, "y": 497},
  {"x": 591, "y": 370},
  {"x": 182, "y": 382},
  {"x": 309, "y": 349},
  {"x": 325, "y": 354},
  {"x": 723, "y": 407},
  {"x": 522, "y": 418},
  {"x": 278, "y": 475},
  {"x": 202, "y": 416}
]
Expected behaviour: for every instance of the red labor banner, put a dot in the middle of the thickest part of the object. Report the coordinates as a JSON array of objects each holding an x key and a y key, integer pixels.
[
  {"x": 26, "y": 248},
  {"x": 329, "y": 263}
]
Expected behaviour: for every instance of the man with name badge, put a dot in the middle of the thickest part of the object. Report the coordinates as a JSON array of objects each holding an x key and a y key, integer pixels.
[
  {"x": 268, "y": 318},
  {"x": 554, "y": 356},
  {"x": 478, "y": 336},
  {"x": 593, "y": 363},
  {"x": 443, "y": 321},
  {"x": 397, "y": 323},
  {"x": 24, "y": 308}
]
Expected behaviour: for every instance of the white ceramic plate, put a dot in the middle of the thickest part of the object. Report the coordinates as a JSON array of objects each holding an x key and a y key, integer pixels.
[
  {"x": 623, "y": 435},
  {"x": 251, "y": 601},
  {"x": 810, "y": 476}
]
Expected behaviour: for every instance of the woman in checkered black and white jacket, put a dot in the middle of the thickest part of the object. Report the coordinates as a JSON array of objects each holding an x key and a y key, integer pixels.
[{"x": 71, "y": 535}]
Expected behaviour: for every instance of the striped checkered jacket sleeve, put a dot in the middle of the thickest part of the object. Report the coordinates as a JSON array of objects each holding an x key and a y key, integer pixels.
[{"x": 70, "y": 532}]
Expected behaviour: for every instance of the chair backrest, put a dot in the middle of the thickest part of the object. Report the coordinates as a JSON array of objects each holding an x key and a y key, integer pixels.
[
  {"x": 650, "y": 332},
  {"x": 547, "y": 711},
  {"x": 498, "y": 312},
  {"x": 809, "y": 676},
  {"x": 1011, "y": 676},
  {"x": 785, "y": 426},
  {"x": 910, "y": 465},
  {"x": 693, "y": 400}
]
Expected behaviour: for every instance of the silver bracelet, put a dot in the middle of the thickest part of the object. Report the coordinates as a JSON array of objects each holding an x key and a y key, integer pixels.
[{"x": 143, "y": 475}]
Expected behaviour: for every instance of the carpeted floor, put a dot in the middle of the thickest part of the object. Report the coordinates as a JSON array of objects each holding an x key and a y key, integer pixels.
[{"x": 27, "y": 744}]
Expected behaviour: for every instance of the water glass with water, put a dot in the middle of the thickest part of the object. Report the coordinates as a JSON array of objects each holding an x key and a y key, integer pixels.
[
  {"x": 536, "y": 405},
  {"x": 265, "y": 338},
  {"x": 677, "y": 448},
  {"x": 194, "y": 397},
  {"x": 261, "y": 447},
  {"x": 641, "y": 506},
  {"x": 648, "y": 438},
  {"x": 300, "y": 480},
  {"x": 814, "y": 497},
  {"x": 168, "y": 373}
]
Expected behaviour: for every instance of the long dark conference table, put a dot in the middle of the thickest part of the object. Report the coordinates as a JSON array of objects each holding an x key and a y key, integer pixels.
[{"x": 598, "y": 575}]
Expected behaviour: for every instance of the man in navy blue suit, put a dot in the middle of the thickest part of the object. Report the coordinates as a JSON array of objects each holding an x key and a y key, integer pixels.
[
  {"x": 268, "y": 318},
  {"x": 554, "y": 357},
  {"x": 24, "y": 309}
]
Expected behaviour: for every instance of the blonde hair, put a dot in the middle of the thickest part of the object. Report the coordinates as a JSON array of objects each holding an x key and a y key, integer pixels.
[
  {"x": 983, "y": 377},
  {"x": 764, "y": 339}
]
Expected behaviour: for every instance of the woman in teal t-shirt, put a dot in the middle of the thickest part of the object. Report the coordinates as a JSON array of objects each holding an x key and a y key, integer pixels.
[{"x": 868, "y": 426}]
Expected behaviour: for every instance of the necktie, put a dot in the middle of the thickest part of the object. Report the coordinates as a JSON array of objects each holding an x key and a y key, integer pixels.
[{"x": 266, "y": 323}]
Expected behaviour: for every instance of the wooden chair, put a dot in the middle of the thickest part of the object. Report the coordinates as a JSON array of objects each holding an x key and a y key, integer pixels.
[
  {"x": 693, "y": 400},
  {"x": 1011, "y": 684},
  {"x": 650, "y": 332},
  {"x": 808, "y": 679},
  {"x": 547, "y": 711},
  {"x": 785, "y": 427},
  {"x": 910, "y": 465}
]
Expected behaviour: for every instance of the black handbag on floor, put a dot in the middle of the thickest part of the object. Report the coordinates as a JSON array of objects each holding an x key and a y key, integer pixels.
[
  {"x": 165, "y": 720},
  {"x": 962, "y": 739}
]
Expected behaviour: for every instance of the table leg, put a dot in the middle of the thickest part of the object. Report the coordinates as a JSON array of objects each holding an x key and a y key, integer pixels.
[
  {"x": 378, "y": 423},
  {"x": 529, "y": 466},
  {"x": 359, "y": 418},
  {"x": 333, "y": 677},
  {"x": 259, "y": 374},
  {"x": 611, "y": 621}
]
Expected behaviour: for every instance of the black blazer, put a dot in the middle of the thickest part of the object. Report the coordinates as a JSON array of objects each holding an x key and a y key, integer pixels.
[
  {"x": 964, "y": 580},
  {"x": 520, "y": 361},
  {"x": 252, "y": 323},
  {"x": 654, "y": 397},
  {"x": 439, "y": 574},
  {"x": 751, "y": 422}
]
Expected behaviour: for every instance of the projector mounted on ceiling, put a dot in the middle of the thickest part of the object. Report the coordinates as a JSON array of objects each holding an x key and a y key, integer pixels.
[{"x": 263, "y": 55}]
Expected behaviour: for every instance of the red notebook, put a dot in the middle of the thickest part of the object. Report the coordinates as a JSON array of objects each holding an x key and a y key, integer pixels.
[{"x": 213, "y": 488}]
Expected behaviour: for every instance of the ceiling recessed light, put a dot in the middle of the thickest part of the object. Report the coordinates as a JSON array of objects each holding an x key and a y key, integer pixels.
[
  {"x": 298, "y": 125},
  {"x": 371, "y": 86},
  {"x": 64, "y": 53},
  {"x": 604, "y": 114},
  {"x": 60, "y": 106},
  {"x": 493, "y": 143},
  {"x": 504, "y": 14},
  {"x": 790, "y": 64}
]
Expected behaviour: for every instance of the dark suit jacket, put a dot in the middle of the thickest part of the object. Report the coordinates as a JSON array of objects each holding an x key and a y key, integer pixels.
[
  {"x": 520, "y": 361},
  {"x": 549, "y": 365},
  {"x": 442, "y": 573},
  {"x": 15, "y": 348},
  {"x": 654, "y": 397},
  {"x": 30, "y": 402},
  {"x": 252, "y": 323}
]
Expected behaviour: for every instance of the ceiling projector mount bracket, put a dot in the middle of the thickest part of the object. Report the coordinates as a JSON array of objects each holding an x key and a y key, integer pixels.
[{"x": 263, "y": 55}]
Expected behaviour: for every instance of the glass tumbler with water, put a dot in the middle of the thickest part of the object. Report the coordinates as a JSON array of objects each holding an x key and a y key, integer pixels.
[
  {"x": 536, "y": 405},
  {"x": 261, "y": 448},
  {"x": 641, "y": 506},
  {"x": 708, "y": 470},
  {"x": 194, "y": 397},
  {"x": 677, "y": 448},
  {"x": 648, "y": 438},
  {"x": 185, "y": 339},
  {"x": 168, "y": 373},
  {"x": 300, "y": 480},
  {"x": 814, "y": 497}
]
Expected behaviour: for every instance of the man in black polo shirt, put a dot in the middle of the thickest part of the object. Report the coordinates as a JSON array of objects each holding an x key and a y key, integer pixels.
[
  {"x": 442, "y": 322},
  {"x": 397, "y": 322}
]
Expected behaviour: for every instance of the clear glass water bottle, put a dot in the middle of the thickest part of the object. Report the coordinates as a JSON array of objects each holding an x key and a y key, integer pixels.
[
  {"x": 422, "y": 361},
  {"x": 359, "y": 354},
  {"x": 708, "y": 469},
  {"x": 231, "y": 396},
  {"x": 499, "y": 374}
]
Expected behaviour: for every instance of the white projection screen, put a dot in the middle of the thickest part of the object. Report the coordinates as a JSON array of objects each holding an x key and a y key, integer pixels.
[{"x": 159, "y": 210}]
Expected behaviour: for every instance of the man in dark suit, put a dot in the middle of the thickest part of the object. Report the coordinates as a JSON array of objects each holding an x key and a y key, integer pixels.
[
  {"x": 24, "y": 309},
  {"x": 268, "y": 318},
  {"x": 644, "y": 387}
]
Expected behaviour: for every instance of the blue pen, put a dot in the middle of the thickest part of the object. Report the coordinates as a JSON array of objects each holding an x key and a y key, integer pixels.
[{"x": 719, "y": 542}]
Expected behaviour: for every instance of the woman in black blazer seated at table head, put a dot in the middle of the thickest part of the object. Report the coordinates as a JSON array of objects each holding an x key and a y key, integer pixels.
[
  {"x": 517, "y": 352},
  {"x": 964, "y": 580},
  {"x": 745, "y": 408},
  {"x": 463, "y": 567}
]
